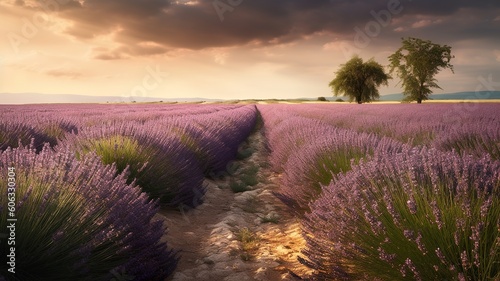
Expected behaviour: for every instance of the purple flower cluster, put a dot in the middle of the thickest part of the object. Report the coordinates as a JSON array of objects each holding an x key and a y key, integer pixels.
[
  {"x": 422, "y": 204},
  {"x": 82, "y": 220},
  {"x": 78, "y": 220},
  {"x": 159, "y": 162},
  {"x": 409, "y": 123},
  {"x": 15, "y": 130},
  {"x": 175, "y": 146},
  {"x": 402, "y": 211},
  {"x": 309, "y": 152}
]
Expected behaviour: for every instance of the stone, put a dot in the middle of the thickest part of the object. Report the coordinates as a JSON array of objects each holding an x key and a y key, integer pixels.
[
  {"x": 219, "y": 258},
  {"x": 261, "y": 274}
]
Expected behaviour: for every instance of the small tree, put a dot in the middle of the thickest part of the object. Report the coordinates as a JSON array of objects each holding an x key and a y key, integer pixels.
[
  {"x": 359, "y": 80},
  {"x": 416, "y": 63}
]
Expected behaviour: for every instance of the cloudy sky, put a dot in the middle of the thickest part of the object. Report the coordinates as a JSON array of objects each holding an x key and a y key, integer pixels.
[{"x": 231, "y": 49}]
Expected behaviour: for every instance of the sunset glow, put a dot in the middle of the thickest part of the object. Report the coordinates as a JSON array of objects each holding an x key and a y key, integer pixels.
[{"x": 231, "y": 49}]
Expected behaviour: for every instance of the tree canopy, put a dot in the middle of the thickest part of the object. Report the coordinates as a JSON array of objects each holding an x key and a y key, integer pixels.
[
  {"x": 359, "y": 80},
  {"x": 416, "y": 63}
]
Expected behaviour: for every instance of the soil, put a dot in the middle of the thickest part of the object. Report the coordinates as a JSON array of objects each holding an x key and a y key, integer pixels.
[{"x": 240, "y": 236}]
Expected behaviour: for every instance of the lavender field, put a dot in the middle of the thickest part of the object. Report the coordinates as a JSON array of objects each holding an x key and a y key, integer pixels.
[{"x": 379, "y": 191}]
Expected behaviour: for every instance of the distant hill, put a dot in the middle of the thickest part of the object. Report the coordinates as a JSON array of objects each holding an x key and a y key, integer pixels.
[
  {"x": 482, "y": 95},
  {"x": 23, "y": 98},
  {"x": 34, "y": 98}
]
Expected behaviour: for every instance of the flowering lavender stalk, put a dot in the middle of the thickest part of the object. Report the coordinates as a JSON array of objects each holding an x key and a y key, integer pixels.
[
  {"x": 407, "y": 123},
  {"x": 475, "y": 139},
  {"x": 77, "y": 220},
  {"x": 314, "y": 166},
  {"x": 161, "y": 164},
  {"x": 362, "y": 226},
  {"x": 310, "y": 151}
]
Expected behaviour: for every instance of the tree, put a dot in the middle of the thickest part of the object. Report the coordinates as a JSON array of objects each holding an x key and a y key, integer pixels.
[
  {"x": 359, "y": 80},
  {"x": 416, "y": 63}
]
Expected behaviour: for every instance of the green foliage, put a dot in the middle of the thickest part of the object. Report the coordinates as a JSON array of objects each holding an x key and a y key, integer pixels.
[
  {"x": 244, "y": 153},
  {"x": 247, "y": 178},
  {"x": 238, "y": 186},
  {"x": 417, "y": 217},
  {"x": 54, "y": 131},
  {"x": 416, "y": 63},
  {"x": 121, "y": 150},
  {"x": 75, "y": 220},
  {"x": 339, "y": 100},
  {"x": 321, "y": 99},
  {"x": 474, "y": 144},
  {"x": 421, "y": 243},
  {"x": 47, "y": 211},
  {"x": 327, "y": 165},
  {"x": 246, "y": 237},
  {"x": 359, "y": 80},
  {"x": 151, "y": 171},
  {"x": 249, "y": 175},
  {"x": 249, "y": 243}
]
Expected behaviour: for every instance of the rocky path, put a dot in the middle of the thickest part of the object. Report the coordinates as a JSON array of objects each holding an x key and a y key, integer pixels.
[{"x": 238, "y": 236}]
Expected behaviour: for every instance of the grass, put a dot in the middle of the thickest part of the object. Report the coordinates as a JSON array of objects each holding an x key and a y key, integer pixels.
[
  {"x": 245, "y": 153},
  {"x": 249, "y": 175},
  {"x": 249, "y": 243},
  {"x": 247, "y": 178},
  {"x": 238, "y": 186}
]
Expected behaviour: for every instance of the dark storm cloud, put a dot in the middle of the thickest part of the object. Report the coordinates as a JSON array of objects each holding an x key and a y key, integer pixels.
[{"x": 198, "y": 25}]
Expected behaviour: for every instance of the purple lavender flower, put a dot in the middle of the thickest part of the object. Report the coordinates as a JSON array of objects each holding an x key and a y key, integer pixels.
[{"x": 88, "y": 219}]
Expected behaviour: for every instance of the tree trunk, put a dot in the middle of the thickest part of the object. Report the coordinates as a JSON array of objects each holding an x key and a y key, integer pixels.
[
  {"x": 358, "y": 99},
  {"x": 419, "y": 99}
]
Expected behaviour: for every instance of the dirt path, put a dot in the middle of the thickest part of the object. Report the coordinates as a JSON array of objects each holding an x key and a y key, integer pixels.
[{"x": 238, "y": 236}]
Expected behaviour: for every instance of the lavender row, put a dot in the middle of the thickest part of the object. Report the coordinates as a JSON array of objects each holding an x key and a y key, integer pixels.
[
  {"x": 376, "y": 206},
  {"x": 169, "y": 148},
  {"x": 48, "y": 123},
  {"x": 93, "y": 221},
  {"x": 169, "y": 157},
  {"x": 309, "y": 152},
  {"x": 78, "y": 220},
  {"x": 418, "y": 215},
  {"x": 470, "y": 128}
]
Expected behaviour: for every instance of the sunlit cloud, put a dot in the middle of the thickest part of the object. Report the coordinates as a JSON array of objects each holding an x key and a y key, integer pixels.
[
  {"x": 497, "y": 54},
  {"x": 287, "y": 48}
]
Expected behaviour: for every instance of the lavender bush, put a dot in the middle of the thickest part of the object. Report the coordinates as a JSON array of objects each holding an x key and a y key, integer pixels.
[
  {"x": 214, "y": 137},
  {"x": 77, "y": 220},
  {"x": 405, "y": 122},
  {"x": 316, "y": 163},
  {"x": 418, "y": 215},
  {"x": 475, "y": 140},
  {"x": 15, "y": 134},
  {"x": 160, "y": 163}
]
